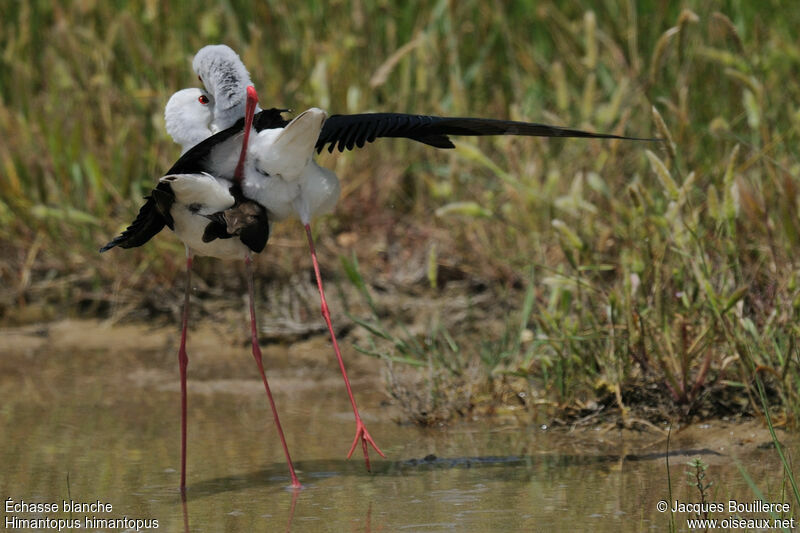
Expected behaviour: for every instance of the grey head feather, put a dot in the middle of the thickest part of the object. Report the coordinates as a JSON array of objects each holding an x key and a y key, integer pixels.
[{"x": 226, "y": 78}]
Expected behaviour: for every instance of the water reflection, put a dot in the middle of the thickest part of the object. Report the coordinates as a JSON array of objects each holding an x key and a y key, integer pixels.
[
  {"x": 185, "y": 510},
  {"x": 495, "y": 467},
  {"x": 111, "y": 423}
]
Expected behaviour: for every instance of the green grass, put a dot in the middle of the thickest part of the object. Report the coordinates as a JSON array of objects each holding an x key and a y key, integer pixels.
[{"x": 622, "y": 263}]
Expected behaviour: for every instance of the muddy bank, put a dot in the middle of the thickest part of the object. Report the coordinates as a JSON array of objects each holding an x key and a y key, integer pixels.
[{"x": 144, "y": 356}]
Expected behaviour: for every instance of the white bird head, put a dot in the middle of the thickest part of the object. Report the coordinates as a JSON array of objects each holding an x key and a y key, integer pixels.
[
  {"x": 225, "y": 77},
  {"x": 188, "y": 116}
]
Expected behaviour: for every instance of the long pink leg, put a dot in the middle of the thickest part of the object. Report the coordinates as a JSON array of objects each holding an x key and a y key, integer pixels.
[
  {"x": 257, "y": 356},
  {"x": 183, "y": 362},
  {"x": 250, "y": 107},
  {"x": 361, "y": 430}
]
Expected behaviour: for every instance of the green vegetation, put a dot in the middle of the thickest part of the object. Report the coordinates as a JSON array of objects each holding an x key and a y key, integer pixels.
[
  {"x": 656, "y": 274},
  {"x": 697, "y": 476}
]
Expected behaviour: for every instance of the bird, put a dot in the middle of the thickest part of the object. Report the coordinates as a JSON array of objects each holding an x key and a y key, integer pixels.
[
  {"x": 283, "y": 177},
  {"x": 313, "y": 189},
  {"x": 212, "y": 217}
]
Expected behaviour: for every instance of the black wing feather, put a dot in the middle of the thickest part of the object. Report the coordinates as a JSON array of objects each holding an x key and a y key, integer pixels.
[
  {"x": 145, "y": 226},
  {"x": 150, "y": 220},
  {"x": 343, "y": 132},
  {"x": 268, "y": 119}
]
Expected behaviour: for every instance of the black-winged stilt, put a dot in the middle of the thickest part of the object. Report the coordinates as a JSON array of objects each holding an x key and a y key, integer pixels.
[
  {"x": 261, "y": 174},
  {"x": 212, "y": 217},
  {"x": 314, "y": 190}
]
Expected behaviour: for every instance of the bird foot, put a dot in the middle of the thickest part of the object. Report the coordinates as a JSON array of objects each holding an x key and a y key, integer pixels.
[{"x": 363, "y": 435}]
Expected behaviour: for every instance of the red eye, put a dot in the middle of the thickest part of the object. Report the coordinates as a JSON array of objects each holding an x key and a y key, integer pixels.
[{"x": 203, "y": 99}]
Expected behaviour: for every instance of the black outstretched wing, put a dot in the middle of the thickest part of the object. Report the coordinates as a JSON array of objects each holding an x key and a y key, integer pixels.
[
  {"x": 144, "y": 227},
  {"x": 345, "y": 132}
]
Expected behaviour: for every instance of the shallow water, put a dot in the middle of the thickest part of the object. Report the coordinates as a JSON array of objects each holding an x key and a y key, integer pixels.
[{"x": 91, "y": 414}]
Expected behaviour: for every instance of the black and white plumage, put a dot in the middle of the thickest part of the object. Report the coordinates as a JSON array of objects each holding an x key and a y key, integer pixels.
[
  {"x": 212, "y": 217},
  {"x": 308, "y": 193},
  {"x": 343, "y": 132},
  {"x": 207, "y": 212}
]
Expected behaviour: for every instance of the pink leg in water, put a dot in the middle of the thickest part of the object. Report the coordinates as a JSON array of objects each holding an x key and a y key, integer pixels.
[
  {"x": 257, "y": 356},
  {"x": 185, "y": 512},
  {"x": 361, "y": 430},
  {"x": 183, "y": 362}
]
